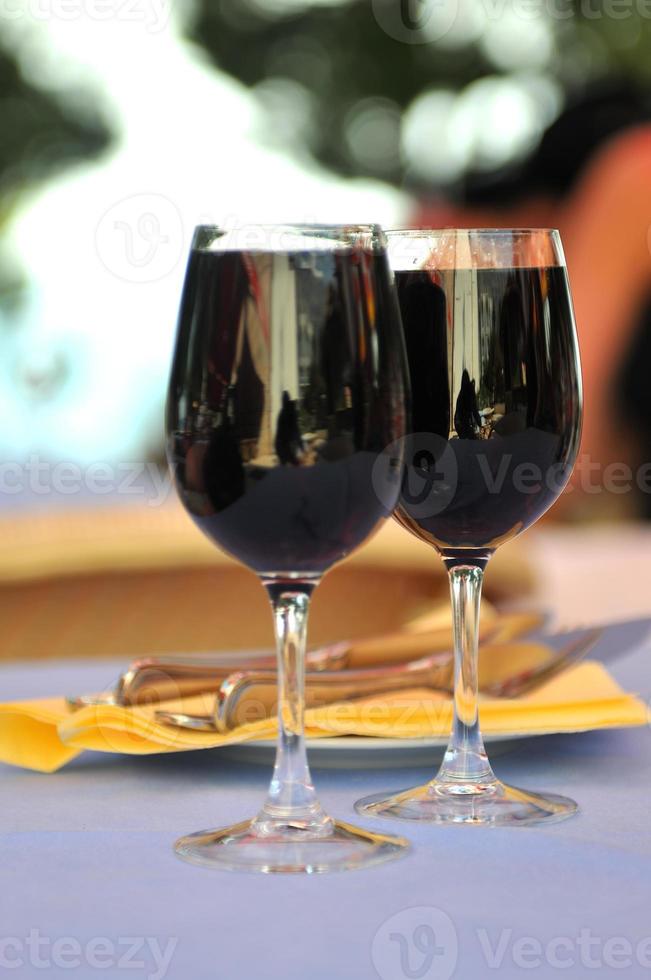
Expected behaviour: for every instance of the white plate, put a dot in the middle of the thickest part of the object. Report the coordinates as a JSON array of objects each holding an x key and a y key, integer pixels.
[{"x": 358, "y": 752}]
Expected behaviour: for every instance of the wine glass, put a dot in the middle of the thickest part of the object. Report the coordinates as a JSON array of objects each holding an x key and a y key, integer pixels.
[
  {"x": 289, "y": 380},
  {"x": 496, "y": 421}
]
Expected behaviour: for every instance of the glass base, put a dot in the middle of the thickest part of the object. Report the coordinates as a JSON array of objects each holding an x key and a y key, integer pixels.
[
  {"x": 289, "y": 849},
  {"x": 493, "y": 804}
]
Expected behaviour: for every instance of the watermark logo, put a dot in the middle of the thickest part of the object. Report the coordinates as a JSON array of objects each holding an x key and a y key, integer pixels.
[
  {"x": 140, "y": 238},
  {"x": 422, "y": 469},
  {"x": 416, "y": 21},
  {"x": 419, "y": 943}
]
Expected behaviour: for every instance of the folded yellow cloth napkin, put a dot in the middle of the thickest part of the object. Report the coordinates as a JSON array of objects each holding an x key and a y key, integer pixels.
[{"x": 45, "y": 734}]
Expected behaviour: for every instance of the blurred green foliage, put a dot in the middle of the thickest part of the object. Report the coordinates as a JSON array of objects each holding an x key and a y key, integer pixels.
[
  {"x": 41, "y": 132},
  {"x": 333, "y": 59}
]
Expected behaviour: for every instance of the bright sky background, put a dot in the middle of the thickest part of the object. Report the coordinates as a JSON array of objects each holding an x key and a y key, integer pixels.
[{"x": 105, "y": 244}]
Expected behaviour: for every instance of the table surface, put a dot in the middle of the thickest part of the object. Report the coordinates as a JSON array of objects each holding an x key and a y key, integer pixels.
[{"x": 89, "y": 885}]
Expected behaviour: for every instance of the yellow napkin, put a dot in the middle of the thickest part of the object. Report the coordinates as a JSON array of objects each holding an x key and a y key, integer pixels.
[{"x": 45, "y": 734}]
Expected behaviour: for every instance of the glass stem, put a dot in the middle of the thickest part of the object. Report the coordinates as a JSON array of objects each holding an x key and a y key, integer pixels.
[
  {"x": 291, "y": 802},
  {"x": 465, "y": 761}
]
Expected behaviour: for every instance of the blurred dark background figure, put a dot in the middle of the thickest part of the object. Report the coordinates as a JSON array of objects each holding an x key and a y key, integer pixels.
[
  {"x": 467, "y": 420},
  {"x": 424, "y": 319},
  {"x": 288, "y": 442},
  {"x": 222, "y": 468}
]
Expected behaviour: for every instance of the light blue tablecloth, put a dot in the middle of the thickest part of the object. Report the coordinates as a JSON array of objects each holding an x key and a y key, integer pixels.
[{"x": 88, "y": 879}]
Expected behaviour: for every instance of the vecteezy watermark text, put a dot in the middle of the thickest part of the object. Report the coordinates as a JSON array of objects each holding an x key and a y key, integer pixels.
[
  {"x": 428, "y": 21},
  {"x": 422, "y": 942},
  {"x": 154, "y": 14},
  {"x": 427, "y": 475},
  {"x": 585, "y": 949},
  {"x": 147, "y": 954},
  {"x": 43, "y": 478},
  {"x": 429, "y": 472}
]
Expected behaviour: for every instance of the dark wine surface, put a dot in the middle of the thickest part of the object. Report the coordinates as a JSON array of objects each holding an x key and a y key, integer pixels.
[
  {"x": 288, "y": 381},
  {"x": 496, "y": 402}
]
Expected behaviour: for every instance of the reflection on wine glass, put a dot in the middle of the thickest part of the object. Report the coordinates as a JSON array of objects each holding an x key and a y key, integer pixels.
[
  {"x": 289, "y": 380},
  {"x": 496, "y": 419}
]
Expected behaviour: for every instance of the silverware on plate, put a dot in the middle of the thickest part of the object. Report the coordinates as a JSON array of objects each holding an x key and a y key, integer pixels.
[
  {"x": 155, "y": 679},
  {"x": 248, "y": 695}
]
